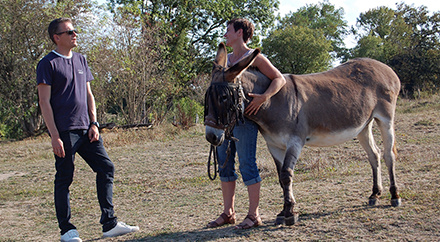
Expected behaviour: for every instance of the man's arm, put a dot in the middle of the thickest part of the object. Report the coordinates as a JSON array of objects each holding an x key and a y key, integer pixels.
[
  {"x": 46, "y": 110},
  {"x": 93, "y": 131}
]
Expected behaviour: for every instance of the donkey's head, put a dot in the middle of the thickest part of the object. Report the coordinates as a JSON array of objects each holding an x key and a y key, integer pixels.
[{"x": 223, "y": 99}]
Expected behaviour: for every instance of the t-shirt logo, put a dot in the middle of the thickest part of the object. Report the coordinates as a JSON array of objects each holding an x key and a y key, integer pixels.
[{"x": 80, "y": 72}]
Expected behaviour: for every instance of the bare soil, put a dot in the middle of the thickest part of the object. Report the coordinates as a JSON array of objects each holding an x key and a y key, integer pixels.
[{"x": 161, "y": 185}]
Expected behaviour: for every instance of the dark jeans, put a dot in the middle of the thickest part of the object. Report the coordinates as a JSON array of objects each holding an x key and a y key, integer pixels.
[{"x": 96, "y": 157}]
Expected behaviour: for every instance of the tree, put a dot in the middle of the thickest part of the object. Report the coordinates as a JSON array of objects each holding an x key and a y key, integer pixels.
[
  {"x": 298, "y": 50},
  {"x": 323, "y": 17},
  {"x": 132, "y": 77},
  {"x": 197, "y": 26},
  {"x": 23, "y": 42},
  {"x": 381, "y": 34},
  {"x": 407, "y": 40},
  {"x": 377, "y": 22},
  {"x": 308, "y": 40}
]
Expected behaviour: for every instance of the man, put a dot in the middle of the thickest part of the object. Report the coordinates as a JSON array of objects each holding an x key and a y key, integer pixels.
[{"x": 69, "y": 111}]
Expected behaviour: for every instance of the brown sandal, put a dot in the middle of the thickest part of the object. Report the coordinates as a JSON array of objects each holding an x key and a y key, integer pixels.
[
  {"x": 256, "y": 221},
  {"x": 227, "y": 219}
]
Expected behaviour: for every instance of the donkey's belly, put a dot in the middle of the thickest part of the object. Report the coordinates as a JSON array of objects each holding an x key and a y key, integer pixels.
[{"x": 332, "y": 138}]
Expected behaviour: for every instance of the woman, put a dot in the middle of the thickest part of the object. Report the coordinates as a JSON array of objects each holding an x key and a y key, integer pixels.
[{"x": 239, "y": 32}]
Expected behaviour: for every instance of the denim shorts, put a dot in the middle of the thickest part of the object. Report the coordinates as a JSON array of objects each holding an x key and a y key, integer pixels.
[{"x": 246, "y": 148}]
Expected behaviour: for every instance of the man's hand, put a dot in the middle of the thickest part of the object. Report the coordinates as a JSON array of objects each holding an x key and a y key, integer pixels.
[
  {"x": 58, "y": 147},
  {"x": 93, "y": 133}
]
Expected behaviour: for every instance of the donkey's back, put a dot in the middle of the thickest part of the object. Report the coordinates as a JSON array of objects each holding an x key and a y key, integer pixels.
[{"x": 330, "y": 107}]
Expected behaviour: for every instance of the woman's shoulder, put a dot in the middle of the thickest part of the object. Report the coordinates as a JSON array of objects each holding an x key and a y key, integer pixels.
[{"x": 261, "y": 59}]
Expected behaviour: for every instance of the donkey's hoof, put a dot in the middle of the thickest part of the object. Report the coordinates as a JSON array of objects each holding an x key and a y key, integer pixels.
[
  {"x": 292, "y": 220},
  {"x": 372, "y": 201},
  {"x": 396, "y": 202},
  {"x": 279, "y": 220}
]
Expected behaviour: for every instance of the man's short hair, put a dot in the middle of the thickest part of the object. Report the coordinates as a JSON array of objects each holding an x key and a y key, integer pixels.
[
  {"x": 244, "y": 24},
  {"x": 53, "y": 26}
]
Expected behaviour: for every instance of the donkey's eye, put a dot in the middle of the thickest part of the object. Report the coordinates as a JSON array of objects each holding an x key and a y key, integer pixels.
[{"x": 224, "y": 98}]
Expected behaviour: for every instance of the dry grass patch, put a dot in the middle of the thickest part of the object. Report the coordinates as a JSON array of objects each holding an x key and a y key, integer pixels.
[{"x": 161, "y": 185}]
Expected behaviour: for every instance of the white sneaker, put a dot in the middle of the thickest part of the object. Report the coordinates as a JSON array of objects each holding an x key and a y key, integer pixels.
[
  {"x": 120, "y": 229},
  {"x": 71, "y": 236}
]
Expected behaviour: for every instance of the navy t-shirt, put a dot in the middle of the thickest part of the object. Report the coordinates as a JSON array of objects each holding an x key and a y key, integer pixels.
[{"x": 68, "y": 79}]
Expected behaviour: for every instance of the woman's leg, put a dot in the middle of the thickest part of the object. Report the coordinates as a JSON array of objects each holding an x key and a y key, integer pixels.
[
  {"x": 228, "y": 176},
  {"x": 228, "y": 191},
  {"x": 254, "y": 199},
  {"x": 247, "y": 135}
]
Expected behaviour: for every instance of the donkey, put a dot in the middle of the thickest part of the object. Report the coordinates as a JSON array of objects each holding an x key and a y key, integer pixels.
[{"x": 321, "y": 109}]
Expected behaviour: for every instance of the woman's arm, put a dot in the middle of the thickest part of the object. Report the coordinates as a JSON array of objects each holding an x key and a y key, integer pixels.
[{"x": 278, "y": 81}]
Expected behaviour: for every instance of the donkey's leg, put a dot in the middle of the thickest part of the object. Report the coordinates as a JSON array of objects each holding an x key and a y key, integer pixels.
[
  {"x": 278, "y": 156},
  {"x": 286, "y": 177},
  {"x": 366, "y": 139},
  {"x": 390, "y": 152}
]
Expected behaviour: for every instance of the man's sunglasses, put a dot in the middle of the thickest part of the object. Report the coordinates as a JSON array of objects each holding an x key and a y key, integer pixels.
[{"x": 69, "y": 32}]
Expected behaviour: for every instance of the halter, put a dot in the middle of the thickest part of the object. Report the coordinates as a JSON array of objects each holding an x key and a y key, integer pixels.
[
  {"x": 233, "y": 106},
  {"x": 234, "y": 110}
]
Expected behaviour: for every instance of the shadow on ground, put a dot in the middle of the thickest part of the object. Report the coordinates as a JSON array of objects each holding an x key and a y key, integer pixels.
[{"x": 229, "y": 233}]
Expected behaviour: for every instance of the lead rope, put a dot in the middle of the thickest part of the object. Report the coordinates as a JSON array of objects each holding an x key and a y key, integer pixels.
[
  {"x": 215, "y": 156},
  {"x": 213, "y": 150}
]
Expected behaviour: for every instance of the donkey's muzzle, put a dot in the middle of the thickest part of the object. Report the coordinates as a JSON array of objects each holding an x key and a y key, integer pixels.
[{"x": 214, "y": 136}]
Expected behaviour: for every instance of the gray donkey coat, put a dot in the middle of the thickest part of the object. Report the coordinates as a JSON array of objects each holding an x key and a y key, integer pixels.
[{"x": 321, "y": 109}]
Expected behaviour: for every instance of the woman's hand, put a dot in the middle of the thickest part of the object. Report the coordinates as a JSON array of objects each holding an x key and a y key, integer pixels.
[{"x": 255, "y": 104}]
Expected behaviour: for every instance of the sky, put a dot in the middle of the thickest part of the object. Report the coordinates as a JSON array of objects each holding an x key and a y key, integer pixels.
[{"x": 352, "y": 8}]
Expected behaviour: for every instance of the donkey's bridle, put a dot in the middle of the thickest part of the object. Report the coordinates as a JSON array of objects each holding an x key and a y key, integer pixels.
[
  {"x": 226, "y": 119},
  {"x": 234, "y": 111}
]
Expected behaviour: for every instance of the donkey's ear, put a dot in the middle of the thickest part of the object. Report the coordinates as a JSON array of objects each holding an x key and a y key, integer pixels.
[
  {"x": 222, "y": 55},
  {"x": 242, "y": 65}
]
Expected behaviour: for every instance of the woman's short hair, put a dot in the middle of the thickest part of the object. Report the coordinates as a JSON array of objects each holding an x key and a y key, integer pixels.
[{"x": 244, "y": 24}]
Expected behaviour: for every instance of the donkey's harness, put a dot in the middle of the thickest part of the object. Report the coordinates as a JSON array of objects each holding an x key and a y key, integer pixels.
[{"x": 232, "y": 110}]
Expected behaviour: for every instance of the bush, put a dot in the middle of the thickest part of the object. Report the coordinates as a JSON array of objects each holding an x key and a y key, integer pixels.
[{"x": 187, "y": 112}]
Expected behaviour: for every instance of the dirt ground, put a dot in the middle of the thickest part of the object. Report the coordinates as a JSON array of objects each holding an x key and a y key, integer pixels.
[{"x": 161, "y": 185}]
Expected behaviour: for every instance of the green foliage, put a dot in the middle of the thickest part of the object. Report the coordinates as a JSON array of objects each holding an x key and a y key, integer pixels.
[
  {"x": 187, "y": 112},
  {"x": 152, "y": 59},
  {"x": 298, "y": 50},
  {"x": 23, "y": 42},
  {"x": 381, "y": 35},
  {"x": 322, "y": 17},
  {"x": 197, "y": 26},
  {"x": 9, "y": 128},
  {"x": 377, "y": 22},
  {"x": 308, "y": 40},
  {"x": 370, "y": 46},
  {"x": 407, "y": 40}
]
